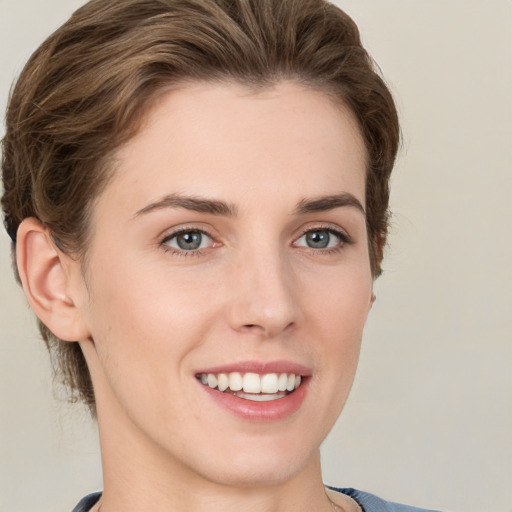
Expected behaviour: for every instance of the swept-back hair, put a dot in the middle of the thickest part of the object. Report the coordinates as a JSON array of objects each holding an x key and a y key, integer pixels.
[{"x": 85, "y": 91}]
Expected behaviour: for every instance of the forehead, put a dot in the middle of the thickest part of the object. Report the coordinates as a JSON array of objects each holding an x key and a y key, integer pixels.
[{"x": 227, "y": 140}]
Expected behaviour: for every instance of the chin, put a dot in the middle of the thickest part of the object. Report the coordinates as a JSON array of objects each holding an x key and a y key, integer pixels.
[
  {"x": 260, "y": 467},
  {"x": 264, "y": 474}
]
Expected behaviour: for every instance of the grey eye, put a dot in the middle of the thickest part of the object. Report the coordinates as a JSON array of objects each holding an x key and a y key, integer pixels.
[
  {"x": 189, "y": 241},
  {"x": 319, "y": 239}
]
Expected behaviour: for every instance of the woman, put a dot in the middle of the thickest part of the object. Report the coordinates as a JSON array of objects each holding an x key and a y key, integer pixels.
[{"x": 197, "y": 194}]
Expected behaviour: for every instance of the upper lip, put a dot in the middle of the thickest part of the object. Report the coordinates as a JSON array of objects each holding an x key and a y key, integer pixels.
[{"x": 260, "y": 367}]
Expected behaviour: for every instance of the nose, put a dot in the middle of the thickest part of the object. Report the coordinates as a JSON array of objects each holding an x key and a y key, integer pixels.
[{"x": 263, "y": 299}]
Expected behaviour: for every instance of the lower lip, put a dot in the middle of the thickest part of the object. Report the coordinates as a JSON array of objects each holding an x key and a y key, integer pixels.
[{"x": 272, "y": 410}]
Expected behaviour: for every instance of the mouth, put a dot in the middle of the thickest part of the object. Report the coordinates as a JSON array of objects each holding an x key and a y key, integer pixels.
[{"x": 252, "y": 386}]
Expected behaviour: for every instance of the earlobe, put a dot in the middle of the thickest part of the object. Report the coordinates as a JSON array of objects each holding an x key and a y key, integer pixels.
[{"x": 45, "y": 274}]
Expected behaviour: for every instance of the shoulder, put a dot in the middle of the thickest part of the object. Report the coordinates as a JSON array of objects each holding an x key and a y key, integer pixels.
[
  {"x": 372, "y": 503},
  {"x": 88, "y": 502}
]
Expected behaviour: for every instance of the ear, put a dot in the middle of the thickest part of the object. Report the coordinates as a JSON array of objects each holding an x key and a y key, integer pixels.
[{"x": 49, "y": 278}]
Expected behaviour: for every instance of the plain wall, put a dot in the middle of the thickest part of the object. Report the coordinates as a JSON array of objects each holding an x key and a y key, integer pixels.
[{"x": 429, "y": 420}]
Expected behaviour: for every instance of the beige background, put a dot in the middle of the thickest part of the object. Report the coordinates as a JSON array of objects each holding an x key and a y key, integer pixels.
[{"x": 429, "y": 421}]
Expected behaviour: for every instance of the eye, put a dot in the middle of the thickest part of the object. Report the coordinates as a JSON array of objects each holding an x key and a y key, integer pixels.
[
  {"x": 322, "y": 238},
  {"x": 188, "y": 240}
]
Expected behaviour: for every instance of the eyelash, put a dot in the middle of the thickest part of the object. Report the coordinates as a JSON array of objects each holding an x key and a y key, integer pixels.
[
  {"x": 344, "y": 238},
  {"x": 183, "y": 253}
]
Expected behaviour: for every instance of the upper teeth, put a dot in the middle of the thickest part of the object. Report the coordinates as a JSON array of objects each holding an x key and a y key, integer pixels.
[{"x": 251, "y": 382}]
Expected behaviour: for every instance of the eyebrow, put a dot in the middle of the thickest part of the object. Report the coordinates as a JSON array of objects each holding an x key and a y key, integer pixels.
[
  {"x": 326, "y": 203},
  {"x": 196, "y": 204},
  {"x": 217, "y": 207}
]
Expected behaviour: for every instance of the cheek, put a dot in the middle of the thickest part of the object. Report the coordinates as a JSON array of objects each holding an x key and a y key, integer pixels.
[
  {"x": 150, "y": 321},
  {"x": 336, "y": 315},
  {"x": 143, "y": 329},
  {"x": 340, "y": 299}
]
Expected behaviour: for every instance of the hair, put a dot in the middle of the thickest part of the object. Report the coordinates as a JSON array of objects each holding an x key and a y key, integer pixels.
[{"x": 85, "y": 91}]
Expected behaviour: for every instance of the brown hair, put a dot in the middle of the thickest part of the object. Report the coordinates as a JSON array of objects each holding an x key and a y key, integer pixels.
[{"x": 84, "y": 92}]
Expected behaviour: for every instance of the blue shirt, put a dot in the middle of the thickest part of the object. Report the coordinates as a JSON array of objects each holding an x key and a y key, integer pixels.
[
  {"x": 368, "y": 502},
  {"x": 371, "y": 503}
]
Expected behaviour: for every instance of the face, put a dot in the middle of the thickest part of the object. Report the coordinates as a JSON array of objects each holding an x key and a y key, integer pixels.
[{"x": 229, "y": 251}]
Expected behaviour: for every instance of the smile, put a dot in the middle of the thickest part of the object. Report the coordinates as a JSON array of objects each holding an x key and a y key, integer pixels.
[{"x": 252, "y": 386}]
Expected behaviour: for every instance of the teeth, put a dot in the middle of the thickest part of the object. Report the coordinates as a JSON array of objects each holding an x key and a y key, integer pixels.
[
  {"x": 235, "y": 381},
  {"x": 269, "y": 383},
  {"x": 252, "y": 383},
  {"x": 290, "y": 386},
  {"x": 212, "y": 380},
  {"x": 272, "y": 385},
  {"x": 222, "y": 382},
  {"x": 260, "y": 397},
  {"x": 282, "y": 382}
]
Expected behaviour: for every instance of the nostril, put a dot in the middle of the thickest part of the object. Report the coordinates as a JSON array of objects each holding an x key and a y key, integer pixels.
[
  {"x": 269, "y": 331},
  {"x": 254, "y": 328}
]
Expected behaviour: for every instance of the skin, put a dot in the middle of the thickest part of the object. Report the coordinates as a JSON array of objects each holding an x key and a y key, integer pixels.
[{"x": 150, "y": 315}]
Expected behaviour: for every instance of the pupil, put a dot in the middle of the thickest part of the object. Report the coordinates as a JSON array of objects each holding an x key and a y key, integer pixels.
[
  {"x": 189, "y": 241},
  {"x": 318, "y": 239}
]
